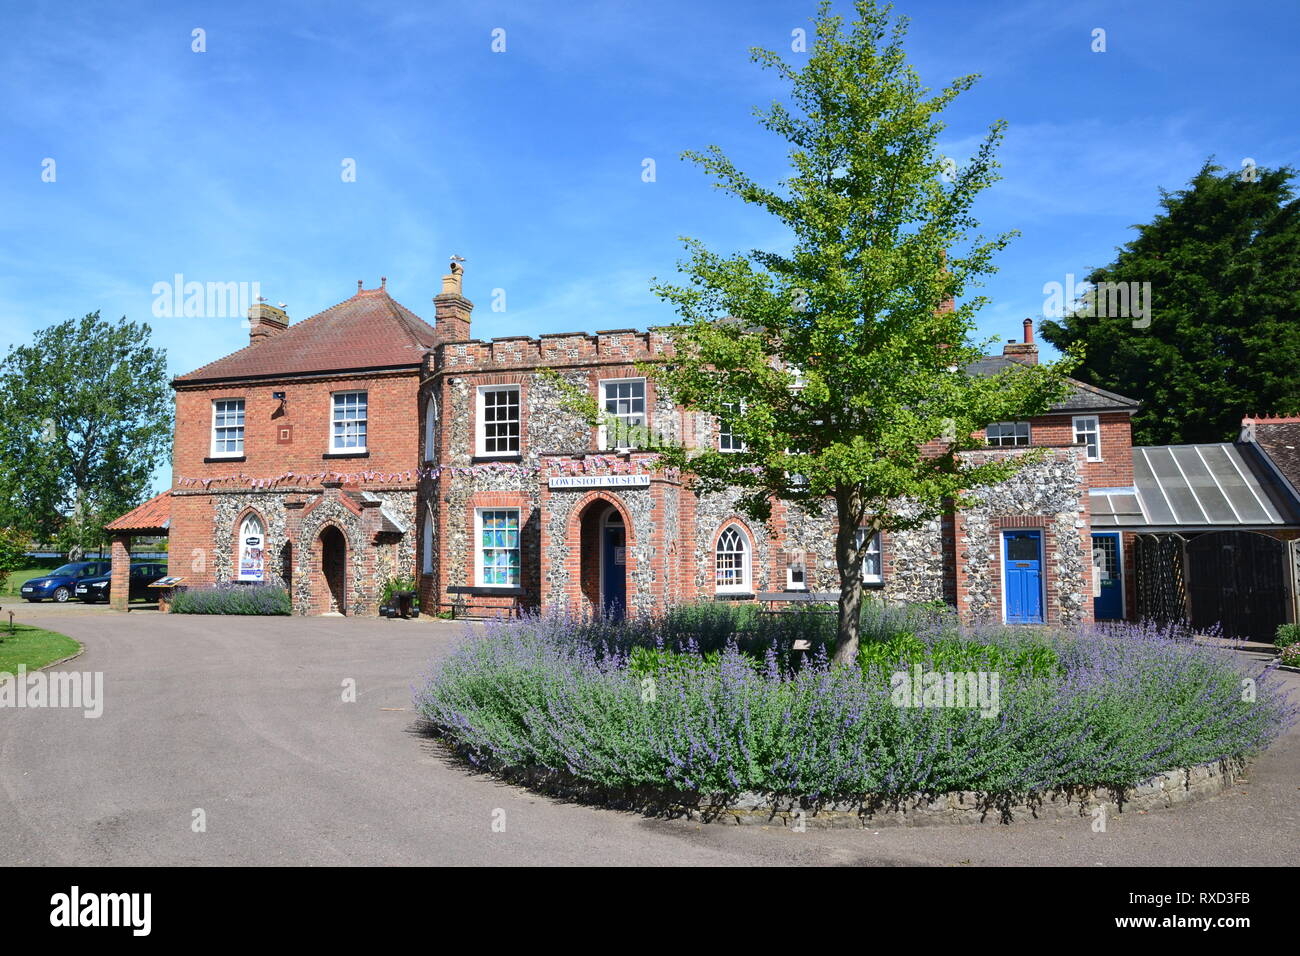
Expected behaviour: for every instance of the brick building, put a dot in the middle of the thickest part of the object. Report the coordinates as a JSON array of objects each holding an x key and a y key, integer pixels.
[{"x": 364, "y": 444}]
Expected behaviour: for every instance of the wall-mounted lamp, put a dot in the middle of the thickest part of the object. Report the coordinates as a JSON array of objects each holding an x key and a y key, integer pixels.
[{"x": 280, "y": 397}]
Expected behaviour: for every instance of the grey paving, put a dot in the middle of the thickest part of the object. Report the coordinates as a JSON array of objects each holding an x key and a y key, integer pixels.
[{"x": 245, "y": 720}]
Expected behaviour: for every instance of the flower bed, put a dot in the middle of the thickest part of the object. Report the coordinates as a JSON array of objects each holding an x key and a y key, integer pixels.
[
  {"x": 232, "y": 599},
  {"x": 712, "y": 702}
]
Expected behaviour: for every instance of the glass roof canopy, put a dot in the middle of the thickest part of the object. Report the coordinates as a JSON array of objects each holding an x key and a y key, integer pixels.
[{"x": 1211, "y": 485}]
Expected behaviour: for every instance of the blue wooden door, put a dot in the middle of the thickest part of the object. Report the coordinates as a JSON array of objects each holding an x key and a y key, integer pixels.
[
  {"x": 1109, "y": 604},
  {"x": 614, "y": 571},
  {"x": 1023, "y": 576}
]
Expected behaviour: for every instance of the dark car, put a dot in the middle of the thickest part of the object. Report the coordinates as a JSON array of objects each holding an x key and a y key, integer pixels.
[
  {"x": 99, "y": 586},
  {"x": 59, "y": 583}
]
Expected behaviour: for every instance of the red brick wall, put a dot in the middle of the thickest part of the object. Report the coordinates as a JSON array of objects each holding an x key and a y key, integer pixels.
[
  {"x": 392, "y": 426},
  {"x": 189, "y": 549},
  {"x": 119, "y": 590},
  {"x": 1115, "y": 470}
]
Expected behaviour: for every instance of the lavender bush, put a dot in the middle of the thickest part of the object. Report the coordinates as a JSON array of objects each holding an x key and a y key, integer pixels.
[
  {"x": 231, "y": 598},
  {"x": 1118, "y": 705}
]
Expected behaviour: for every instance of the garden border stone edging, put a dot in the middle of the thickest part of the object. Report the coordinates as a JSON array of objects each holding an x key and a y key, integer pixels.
[{"x": 1164, "y": 790}]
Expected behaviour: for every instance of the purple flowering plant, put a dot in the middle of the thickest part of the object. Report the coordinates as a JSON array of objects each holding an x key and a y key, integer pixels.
[{"x": 709, "y": 700}]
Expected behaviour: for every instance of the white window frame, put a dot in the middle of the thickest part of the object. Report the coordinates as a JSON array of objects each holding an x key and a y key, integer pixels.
[
  {"x": 790, "y": 583},
  {"x": 431, "y": 429},
  {"x": 746, "y": 561},
  {"x": 243, "y": 424},
  {"x": 480, "y": 437},
  {"x": 1029, "y": 435},
  {"x": 603, "y": 438},
  {"x": 1095, "y": 430},
  {"x": 478, "y": 547},
  {"x": 738, "y": 444},
  {"x": 876, "y": 547},
  {"x": 336, "y": 449}
]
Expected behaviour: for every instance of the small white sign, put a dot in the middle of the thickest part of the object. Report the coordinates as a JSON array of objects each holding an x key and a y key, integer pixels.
[{"x": 599, "y": 481}]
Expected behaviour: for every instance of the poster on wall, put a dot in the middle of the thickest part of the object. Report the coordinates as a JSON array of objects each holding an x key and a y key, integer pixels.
[{"x": 251, "y": 557}]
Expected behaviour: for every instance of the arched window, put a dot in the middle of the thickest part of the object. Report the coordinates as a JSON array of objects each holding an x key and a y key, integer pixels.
[
  {"x": 732, "y": 567},
  {"x": 250, "y": 551},
  {"x": 431, "y": 430}
]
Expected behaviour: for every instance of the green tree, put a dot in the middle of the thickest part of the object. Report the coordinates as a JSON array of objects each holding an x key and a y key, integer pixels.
[
  {"x": 87, "y": 419},
  {"x": 14, "y": 545},
  {"x": 1222, "y": 339},
  {"x": 845, "y": 370}
]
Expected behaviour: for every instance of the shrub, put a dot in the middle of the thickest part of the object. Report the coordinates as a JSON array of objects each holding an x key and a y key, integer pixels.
[
  {"x": 901, "y": 652},
  {"x": 233, "y": 599},
  {"x": 1104, "y": 707},
  {"x": 1287, "y": 634},
  {"x": 882, "y": 621},
  {"x": 398, "y": 584},
  {"x": 1291, "y": 655}
]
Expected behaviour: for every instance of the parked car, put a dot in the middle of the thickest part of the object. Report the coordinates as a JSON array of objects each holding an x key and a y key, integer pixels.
[
  {"x": 99, "y": 586},
  {"x": 60, "y": 582}
]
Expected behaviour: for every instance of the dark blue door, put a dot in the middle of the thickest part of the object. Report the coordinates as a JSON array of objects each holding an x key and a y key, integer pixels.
[
  {"x": 613, "y": 562},
  {"x": 1108, "y": 605},
  {"x": 1023, "y": 576}
]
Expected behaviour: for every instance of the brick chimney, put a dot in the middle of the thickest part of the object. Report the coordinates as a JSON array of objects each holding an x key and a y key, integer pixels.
[
  {"x": 451, "y": 309},
  {"x": 1026, "y": 351},
  {"x": 265, "y": 321}
]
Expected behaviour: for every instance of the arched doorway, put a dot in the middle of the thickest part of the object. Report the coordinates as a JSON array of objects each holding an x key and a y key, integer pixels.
[
  {"x": 286, "y": 567},
  {"x": 333, "y": 565},
  {"x": 603, "y": 560}
]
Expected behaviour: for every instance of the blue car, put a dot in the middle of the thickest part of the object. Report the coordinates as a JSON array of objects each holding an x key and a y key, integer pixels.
[{"x": 60, "y": 584}]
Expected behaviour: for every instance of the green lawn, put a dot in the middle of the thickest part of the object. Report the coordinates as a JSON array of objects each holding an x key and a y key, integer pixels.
[
  {"x": 32, "y": 646},
  {"x": 19, "y": 578}
]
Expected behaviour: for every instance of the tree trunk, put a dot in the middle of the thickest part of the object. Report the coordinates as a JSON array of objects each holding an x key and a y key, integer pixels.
[{"x": 848, "y": 559}]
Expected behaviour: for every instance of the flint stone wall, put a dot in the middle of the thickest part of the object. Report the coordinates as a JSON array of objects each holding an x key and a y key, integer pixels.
[
  {"x": 1053, "y": 487},
  {"x": 393, "y": 558},
  {"x": 873, "y": 811},
  {"x": 644, "y": 568}
]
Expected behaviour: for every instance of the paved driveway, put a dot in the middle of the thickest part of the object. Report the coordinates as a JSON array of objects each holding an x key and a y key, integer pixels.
[{"x": 244, "y": 719}]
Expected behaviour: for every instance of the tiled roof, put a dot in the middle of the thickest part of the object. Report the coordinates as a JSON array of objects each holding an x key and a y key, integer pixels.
[
  {"x": 369, "y": 330},
  {"x": 1279, "y": 440},
  {"x": 154, "y": 515},
  {"x": 1083, "y": 397}
]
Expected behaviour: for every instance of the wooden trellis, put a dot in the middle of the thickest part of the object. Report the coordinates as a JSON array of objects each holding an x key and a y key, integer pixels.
[{"x": 1160, "y": 568}]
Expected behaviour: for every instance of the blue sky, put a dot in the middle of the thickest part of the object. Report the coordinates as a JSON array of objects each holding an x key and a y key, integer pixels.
[{"x": 225, "y": 165}]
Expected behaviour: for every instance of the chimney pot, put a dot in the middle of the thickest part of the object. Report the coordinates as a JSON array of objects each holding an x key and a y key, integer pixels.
[{"x": 1025, "y": 352}]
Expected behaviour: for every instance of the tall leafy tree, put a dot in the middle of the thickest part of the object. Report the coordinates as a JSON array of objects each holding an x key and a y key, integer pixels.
[
  {"x": 1223, "y": 336},
  {"x": 845, "y": 375},
  {"x": 87, "y": 419},
  {"x": 14, "y": 545}
]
